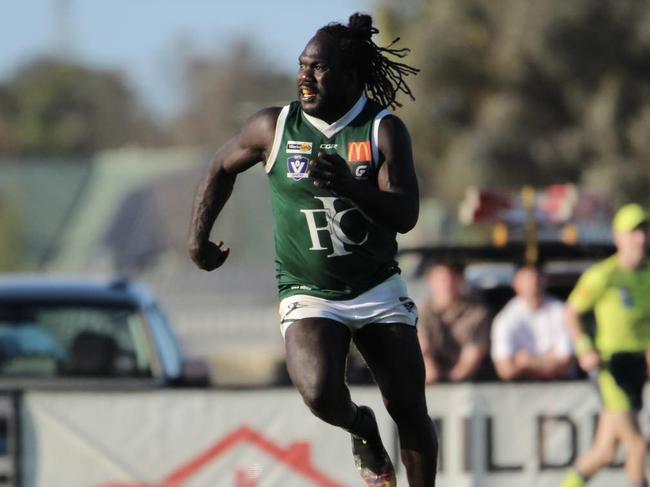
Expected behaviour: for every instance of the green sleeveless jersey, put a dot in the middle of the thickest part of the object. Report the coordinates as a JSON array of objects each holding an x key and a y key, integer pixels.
[{"x": 324, "y": 245}]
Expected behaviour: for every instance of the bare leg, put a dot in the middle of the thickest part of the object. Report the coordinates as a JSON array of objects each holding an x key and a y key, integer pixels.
[
  {"x": 612, "y": 429},
  {"x": 317, "y": 350},
  {"x": 603, "y": 451},
  {"x": 392, "y": 352},
  {"x": 630, "y": 435}
]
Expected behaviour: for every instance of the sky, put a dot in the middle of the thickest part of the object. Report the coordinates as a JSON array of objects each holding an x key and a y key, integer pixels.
[{"x": 142, "y": 38}]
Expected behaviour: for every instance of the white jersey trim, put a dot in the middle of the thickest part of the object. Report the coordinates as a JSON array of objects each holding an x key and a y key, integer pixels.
[
  {"x": 277, "y": 138},
  {"x": 375, "y": 135},
  {"x": 330, "y": 130}
]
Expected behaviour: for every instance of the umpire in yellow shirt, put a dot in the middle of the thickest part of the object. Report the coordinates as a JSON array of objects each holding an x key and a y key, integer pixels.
[{"x": 617, "y": 290}]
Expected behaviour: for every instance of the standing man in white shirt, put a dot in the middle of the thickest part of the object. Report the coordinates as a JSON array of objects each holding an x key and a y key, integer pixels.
[{"x": 529, "y": 336}]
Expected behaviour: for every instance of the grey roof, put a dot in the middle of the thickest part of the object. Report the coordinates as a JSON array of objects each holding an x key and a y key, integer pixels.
[{"x": 38, "y": 288}]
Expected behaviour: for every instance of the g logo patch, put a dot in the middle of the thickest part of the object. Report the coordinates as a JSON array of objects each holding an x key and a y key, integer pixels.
[{"x": 361, "y": 171}]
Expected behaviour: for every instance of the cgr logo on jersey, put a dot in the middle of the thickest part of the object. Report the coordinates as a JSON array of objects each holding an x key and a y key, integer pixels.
[
  {"x": 332, "y": 227},
  {"x": 297, "y": 166},
  {"x": 328, "y": 146},
  {"x": 296, "y": 147},
  {"x": 359, "y": 151}
]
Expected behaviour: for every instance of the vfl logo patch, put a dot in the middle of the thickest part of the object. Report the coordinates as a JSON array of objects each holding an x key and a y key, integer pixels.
[
  {"x": 297, "y": 166},
  {"x": 296, "y": 147},
  {"x": 359, "y": 151}
]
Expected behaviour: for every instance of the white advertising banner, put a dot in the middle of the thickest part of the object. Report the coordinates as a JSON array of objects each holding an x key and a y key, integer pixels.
[
  {"x": 501, "y": 435},
  {"x": 183, "y": 438},
  {"x": 516, "y": 435}
]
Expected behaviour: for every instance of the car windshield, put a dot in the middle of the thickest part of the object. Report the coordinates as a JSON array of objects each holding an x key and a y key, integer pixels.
[{"x": 72, "y": 340}]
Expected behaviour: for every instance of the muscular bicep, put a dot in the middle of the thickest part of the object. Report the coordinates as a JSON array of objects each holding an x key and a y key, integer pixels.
[
  {"x": 396, "y": 172},
  {"x": 250, "y": 145}
]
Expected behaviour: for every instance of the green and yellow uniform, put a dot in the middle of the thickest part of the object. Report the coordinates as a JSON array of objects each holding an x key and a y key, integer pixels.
[{"x": 620, "y": 300}]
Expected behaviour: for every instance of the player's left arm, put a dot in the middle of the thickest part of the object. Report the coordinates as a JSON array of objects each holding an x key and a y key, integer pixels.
[{"x": 394, "y": 202}]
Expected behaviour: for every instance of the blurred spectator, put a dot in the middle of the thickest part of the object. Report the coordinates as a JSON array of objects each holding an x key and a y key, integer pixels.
[
  {"x": 454, "y": 329},
  {"x": 529, "y": 336}
]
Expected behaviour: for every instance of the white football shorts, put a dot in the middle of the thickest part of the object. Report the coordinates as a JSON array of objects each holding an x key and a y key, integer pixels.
[{"x": 387, "y": 302}]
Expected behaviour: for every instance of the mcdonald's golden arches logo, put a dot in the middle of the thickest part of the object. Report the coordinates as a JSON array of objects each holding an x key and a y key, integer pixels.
[{"x": 359, "y": 151}]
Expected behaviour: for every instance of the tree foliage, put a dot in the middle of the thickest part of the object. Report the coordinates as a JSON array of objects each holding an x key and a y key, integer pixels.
[
  {"x": 220, "y": 92},
  {"x": 59, "y": 108},
  {"x": 528, "y": 92},
  {"x": 55, "y": 108}
]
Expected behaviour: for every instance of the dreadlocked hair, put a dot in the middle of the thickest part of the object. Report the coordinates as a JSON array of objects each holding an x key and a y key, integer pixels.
[{"x": 381, "y": 77}]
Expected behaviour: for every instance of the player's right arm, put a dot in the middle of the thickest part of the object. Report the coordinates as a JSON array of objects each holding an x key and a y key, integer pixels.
[
  {"x": 582, "y": 299},
  {"x": 251, "y": 145},
  {"x": 588, "y": 358}
]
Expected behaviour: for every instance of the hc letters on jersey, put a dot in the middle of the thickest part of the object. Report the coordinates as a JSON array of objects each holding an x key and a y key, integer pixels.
[
  {"x": 297, "y": 166},
  {"x": 331, "y": 226}
]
